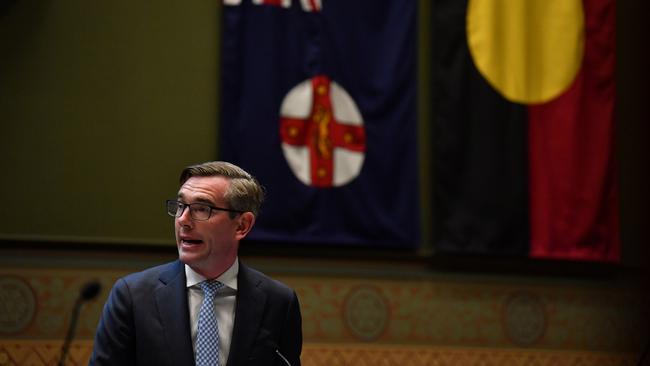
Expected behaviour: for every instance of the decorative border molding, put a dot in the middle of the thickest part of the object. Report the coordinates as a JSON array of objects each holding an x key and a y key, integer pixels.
[
  {"x": 441, "y": 311},
  {"x": 41, "y": 353}
]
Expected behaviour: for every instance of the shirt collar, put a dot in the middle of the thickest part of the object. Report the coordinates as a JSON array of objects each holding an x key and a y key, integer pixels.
[{"x": 228, "y": 278}]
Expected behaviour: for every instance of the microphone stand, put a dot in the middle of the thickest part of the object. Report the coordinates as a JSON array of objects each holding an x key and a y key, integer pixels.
[
  {"x": 89, "y": 291},
  {"x": 277, "y": 351},
  {"x": 71, "y": 330}
]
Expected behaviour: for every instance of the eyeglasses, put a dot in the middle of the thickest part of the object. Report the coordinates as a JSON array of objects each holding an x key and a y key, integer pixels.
[{"x": 198, "y": 211}]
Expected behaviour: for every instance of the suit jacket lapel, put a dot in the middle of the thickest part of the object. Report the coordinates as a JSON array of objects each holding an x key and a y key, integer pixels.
[
  {"x": 171, "y": 299},
  {"x": 248, "y": 315}
]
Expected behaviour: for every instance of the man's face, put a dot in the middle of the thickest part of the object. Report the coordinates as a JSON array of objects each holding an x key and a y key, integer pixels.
[{"x": 209, "y": 246}]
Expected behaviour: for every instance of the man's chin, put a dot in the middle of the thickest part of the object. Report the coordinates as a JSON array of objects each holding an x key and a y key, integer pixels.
[{"x": 189, "y": 256}]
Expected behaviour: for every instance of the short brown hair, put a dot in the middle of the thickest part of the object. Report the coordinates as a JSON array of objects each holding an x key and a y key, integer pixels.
[{"x": 244, "y": 193}]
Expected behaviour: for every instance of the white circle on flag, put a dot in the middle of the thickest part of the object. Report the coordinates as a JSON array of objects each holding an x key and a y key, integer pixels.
[{"x": 345, "y": 162}]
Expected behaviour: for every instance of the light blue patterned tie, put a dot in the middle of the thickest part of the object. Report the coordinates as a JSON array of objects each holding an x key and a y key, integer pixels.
[{"x": 207, "y": 337}]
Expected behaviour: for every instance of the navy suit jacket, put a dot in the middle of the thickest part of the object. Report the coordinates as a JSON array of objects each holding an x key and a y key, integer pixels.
[{"x": 146, "y": 321}]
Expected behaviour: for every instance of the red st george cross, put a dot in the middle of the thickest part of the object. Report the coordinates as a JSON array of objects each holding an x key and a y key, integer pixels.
[{"x": 321, "y": 133}]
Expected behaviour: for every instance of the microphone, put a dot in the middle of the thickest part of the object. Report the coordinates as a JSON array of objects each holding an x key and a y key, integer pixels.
[
  {"x": 88, "y": 292},
  {"x": 277, "y": 351},
  {"x": 282, "y": 357}
]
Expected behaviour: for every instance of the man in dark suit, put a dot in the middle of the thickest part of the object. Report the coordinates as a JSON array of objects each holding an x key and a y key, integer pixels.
[{"x": 161, "y": 316}]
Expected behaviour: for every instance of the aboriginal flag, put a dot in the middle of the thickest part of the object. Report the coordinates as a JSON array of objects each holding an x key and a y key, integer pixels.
[
  {"x": 318, "y": 101},
  {"x": 524, "y": 119}
]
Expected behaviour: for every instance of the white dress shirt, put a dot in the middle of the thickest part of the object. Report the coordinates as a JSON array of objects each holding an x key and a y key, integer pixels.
[{"x": 224, "y": 304}]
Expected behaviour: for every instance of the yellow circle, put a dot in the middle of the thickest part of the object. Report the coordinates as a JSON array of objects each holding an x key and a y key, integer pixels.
[
  {"x": 528, "y": 50},
  {"x": 293, "y": 132}
]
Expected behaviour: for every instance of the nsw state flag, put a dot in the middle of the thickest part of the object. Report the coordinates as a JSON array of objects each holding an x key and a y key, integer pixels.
[{"x": 318, "y": 101}]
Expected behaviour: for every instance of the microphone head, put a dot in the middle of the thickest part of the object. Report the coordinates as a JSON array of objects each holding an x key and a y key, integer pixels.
[{"x": 90, "y": 290}]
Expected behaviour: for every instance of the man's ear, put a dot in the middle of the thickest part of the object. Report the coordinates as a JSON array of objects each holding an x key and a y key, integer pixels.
[{"x": 245, "y": 223}]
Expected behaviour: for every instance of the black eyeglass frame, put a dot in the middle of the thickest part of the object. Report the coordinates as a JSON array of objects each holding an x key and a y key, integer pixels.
[{"x": 186, "y": 205}]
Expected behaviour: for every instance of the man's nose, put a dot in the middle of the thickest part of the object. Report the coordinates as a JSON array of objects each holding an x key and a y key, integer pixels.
[{"x": 185, "y": 217}]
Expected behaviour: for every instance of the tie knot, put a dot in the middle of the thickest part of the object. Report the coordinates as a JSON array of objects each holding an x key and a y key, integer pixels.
[{"x": 210, "y": 288}]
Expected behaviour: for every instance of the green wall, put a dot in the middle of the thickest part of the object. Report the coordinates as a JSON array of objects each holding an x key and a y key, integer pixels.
[{"x": 101, "y": 104}]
